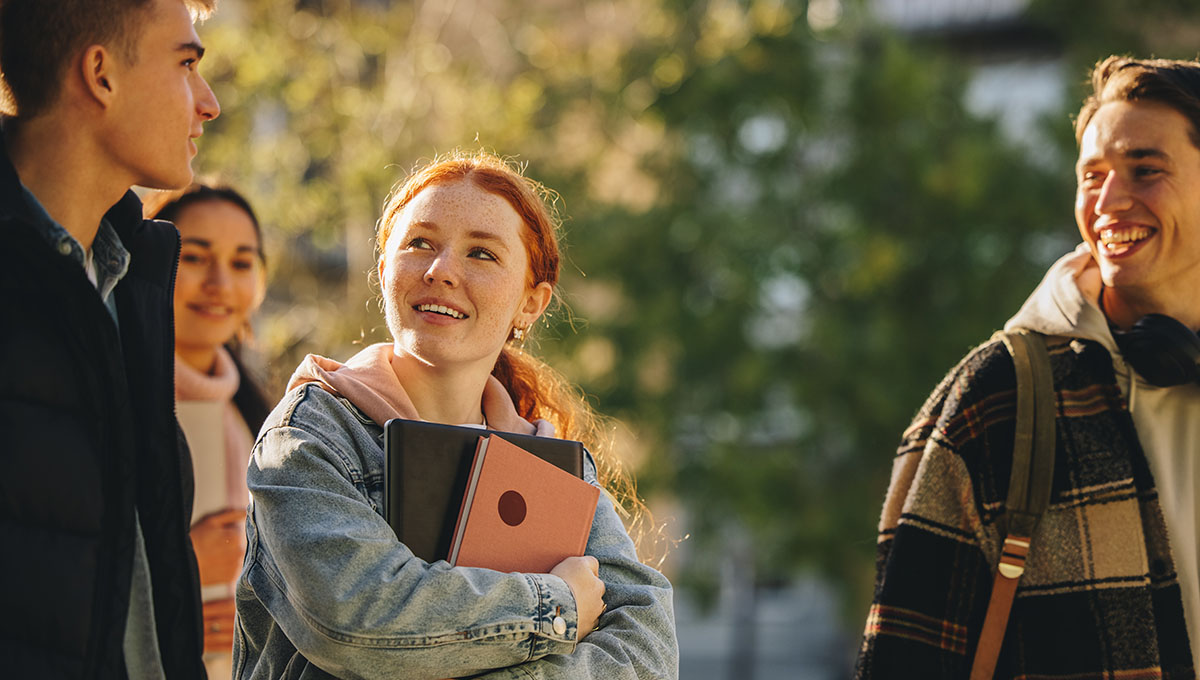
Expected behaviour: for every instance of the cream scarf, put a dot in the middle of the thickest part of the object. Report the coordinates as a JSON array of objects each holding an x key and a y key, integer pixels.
[{"x": 193, "y": 385}]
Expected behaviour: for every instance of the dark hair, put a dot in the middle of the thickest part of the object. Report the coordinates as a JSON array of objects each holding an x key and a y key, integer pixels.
[
  {"x": 251, "y": 399},
  {"x": 39, "y": 38},
  {"x": 167, "y": 205},
  {"x": 1173, "y": 83}
]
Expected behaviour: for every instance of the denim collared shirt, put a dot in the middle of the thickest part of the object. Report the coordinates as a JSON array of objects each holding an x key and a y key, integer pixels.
[
  {"x": 326, "y": 590},
  {"x": 109, "y": 256}
]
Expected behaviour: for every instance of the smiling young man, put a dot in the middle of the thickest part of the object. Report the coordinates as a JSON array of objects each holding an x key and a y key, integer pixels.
[
  {"x": 1112, "y": 585},
  {"x": 98, "y": 578}
]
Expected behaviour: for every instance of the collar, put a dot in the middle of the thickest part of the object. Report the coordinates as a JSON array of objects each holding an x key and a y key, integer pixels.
[
  {"x": 1067, "y": 302},
  {"x": 109, "y": 256},
  {"x": 369, "y": 381},
  {"x": 109, "y": 253}
]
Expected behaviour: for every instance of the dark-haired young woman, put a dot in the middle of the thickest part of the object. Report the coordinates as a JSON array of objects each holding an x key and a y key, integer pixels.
[{"x": 219, "y": 284}]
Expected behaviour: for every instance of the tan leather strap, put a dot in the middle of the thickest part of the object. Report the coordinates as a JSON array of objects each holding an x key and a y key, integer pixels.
[
  {"x": 1028, "y": 487},
  {"x": 1004, "y": 590}
]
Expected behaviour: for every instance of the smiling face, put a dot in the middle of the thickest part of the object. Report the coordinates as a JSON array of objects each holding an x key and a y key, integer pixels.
[
  {"x": 220, "y": 280},
  {"x": 161, "y": 101},
  {"x": 1138, "y": 206},
  {"x": 455, "y": 276}
]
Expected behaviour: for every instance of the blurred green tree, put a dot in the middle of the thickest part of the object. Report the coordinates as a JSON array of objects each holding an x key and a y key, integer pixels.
[{"x": 783, "y": 224}]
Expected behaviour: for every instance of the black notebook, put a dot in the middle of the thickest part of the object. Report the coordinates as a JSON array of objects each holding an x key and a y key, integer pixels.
[{"x": 426, "y": 468}]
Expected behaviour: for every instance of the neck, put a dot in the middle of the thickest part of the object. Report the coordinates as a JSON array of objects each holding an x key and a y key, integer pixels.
[
  {"x": 1123, "y": 307},
  {"x": 442, "y": 395},
  {"x": 58, "y": 163},
  {"x": 203, "y": 359}
]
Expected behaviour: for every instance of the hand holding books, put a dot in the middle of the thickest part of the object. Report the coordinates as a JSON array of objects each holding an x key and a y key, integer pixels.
[
  {"x": 582, "y": 575},
  {"x": 519, "y": 512},
  {"x": 428, "y": 467},
  {"x": 515, "y": 511}
]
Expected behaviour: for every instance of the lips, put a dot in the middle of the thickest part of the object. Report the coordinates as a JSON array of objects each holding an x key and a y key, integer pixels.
[
  {"x": 1116, "y": 241},
  {"x": 441, "y": 309},
  {"x": 208, "y": 309}
]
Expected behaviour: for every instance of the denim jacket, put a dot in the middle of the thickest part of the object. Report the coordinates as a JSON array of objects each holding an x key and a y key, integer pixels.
[{"x": 326, "y": 590}]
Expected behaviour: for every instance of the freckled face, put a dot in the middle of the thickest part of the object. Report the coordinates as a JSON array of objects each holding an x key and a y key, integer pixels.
[
  {"x": 1138, "y": 202},
  {"x": 455, "y": 276},
  {"x": 220, "y": 278}
]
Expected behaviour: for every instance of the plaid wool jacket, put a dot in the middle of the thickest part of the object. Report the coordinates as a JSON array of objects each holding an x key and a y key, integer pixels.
[{"x": 1099, "y": 597}]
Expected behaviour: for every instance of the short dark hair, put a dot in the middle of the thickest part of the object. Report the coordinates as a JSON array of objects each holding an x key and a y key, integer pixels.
[
  {"x": 1173, "y": 83},
  {"x": 39, "y": 38}
]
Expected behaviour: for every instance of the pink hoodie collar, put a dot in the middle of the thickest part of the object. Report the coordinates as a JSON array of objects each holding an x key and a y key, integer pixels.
[{"x": 370, "y": 383}]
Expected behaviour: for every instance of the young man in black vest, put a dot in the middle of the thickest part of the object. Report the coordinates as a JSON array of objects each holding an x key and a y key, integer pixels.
[
  {"x": 1112, "y": 583},
  {"x": 98, "y": 578}
]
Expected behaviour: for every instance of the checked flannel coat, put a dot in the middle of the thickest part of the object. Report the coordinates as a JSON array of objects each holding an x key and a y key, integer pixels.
[{"x": 1099, "y": 597}]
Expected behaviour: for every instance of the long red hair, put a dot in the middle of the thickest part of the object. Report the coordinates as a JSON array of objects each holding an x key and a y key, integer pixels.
[{"x": 537, "y": 390}]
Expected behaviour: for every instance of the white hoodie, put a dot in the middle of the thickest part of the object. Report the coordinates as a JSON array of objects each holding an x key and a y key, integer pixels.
[{"x": 1167, "y": 419}]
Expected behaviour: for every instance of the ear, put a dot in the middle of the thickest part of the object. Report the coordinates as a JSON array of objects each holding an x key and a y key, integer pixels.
[
  {"x": 98, "y": 70},
  {"x": 379, "y": 267},
  {"x": 536, "y": 301}
]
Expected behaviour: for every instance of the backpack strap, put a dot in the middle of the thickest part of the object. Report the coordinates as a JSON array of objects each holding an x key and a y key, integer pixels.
[{"x": 1028, "y": 486}]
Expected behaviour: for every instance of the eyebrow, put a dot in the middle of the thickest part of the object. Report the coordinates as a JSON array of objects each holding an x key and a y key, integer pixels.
[
  {"x": 1136, "y": 154},
  {"x": 192, "y": 46},
  {"x": 1146, "y": 152},
  {"x": 487, "y": 236},
  {"x": 477, "y": 234},
  {"x": 205, "y": 243}
]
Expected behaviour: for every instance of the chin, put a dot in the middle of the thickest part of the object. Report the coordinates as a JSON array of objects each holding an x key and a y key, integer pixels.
[
  {"x": 202, "y": 331},
  {"x": 1108, "y": 274},
  {"x": 170, "y": 182},
  {"x": 1128, "y": 278}
]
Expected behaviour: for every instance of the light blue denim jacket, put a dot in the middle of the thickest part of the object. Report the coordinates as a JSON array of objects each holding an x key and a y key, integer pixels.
[{"x": 327, "y": 591}]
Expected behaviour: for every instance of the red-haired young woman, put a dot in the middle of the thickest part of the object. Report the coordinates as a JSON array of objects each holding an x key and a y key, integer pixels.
[{"x": 468, "y": 261}]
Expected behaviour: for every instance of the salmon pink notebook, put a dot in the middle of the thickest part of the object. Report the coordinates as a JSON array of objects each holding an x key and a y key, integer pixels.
[
  {"x": 427, "y": 468},
  {"x": 520, "y": 513}
]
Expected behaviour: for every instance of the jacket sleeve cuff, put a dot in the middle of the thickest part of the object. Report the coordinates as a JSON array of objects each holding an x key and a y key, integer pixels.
[{"x": 557, "y": 620}]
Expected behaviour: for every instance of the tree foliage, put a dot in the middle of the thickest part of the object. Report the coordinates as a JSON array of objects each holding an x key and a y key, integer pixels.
[{"x": 778, "y": 238}]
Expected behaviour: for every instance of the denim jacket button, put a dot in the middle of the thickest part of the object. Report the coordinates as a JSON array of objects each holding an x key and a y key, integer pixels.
[
  {"x": 560, "y": 626},
  {"x": 64, "y": 247}
]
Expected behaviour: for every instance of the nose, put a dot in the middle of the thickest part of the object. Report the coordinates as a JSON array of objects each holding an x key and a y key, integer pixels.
[
  {"x": 217, "y": 278},
  {"x": 442, "y": 269},
  {"x": 206, "y": 102},
  {"x": 1114, "y": 195}
]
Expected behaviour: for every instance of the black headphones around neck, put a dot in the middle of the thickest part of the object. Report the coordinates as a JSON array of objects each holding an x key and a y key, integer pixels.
[{"x": 1162, "y": 350}]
